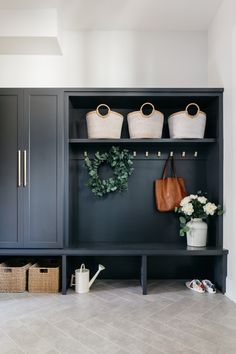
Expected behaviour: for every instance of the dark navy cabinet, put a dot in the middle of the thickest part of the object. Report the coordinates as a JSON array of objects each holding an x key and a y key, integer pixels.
[
  {"x": 31, "y": 191},
  {"x": 11, "y": 197},
  {"x": 46, "y": 208},
  {"x": 43, "y": 161}
]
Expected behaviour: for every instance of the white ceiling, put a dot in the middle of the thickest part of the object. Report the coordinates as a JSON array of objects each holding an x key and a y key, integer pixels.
[{"x": 162, "y": 15}]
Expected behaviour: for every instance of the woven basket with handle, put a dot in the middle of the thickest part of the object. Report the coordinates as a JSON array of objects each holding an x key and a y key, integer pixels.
[
  {"x": 183, "y": 125},
  {"x": 13, "y": 275},
  {"x": 145, "y": 126},
  {"x": 104, "y": 126},
  {"x": 44, "y": 277}
]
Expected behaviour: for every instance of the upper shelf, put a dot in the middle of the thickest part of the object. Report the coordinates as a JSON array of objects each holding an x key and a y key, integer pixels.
[
  {"x": 120, "y": 249},
  {"x": 142, "y": 141}
]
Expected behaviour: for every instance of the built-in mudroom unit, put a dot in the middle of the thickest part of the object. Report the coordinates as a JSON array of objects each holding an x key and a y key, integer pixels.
[{"x": 47, "y": 208}]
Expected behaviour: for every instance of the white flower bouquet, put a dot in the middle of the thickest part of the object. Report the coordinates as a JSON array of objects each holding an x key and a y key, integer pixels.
[{"x": 196, "y": 206}]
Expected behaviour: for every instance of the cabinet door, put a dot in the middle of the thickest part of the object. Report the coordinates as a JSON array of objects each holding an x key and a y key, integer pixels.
[
  {"x": 11, "y": 211},
  {"x": 43, "y": 168}
]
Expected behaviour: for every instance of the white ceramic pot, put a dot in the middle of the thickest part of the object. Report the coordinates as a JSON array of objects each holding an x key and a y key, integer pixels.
[{"x": 197, "y": 234}]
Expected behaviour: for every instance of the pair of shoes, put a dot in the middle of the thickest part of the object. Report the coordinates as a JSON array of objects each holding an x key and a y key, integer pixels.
[{"x": 201, "y": 286}]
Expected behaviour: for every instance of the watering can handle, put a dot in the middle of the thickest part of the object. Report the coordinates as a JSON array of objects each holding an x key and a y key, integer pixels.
[
  {"x": 72, "y": 283},
  {"x": 82, "y": 267}
]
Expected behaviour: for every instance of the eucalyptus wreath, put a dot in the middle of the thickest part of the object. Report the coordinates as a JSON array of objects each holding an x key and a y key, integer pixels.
[{"x": 120, "y": 160}]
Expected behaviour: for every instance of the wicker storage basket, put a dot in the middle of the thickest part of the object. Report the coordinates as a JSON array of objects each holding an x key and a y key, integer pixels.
[
  {"x": 44, "y": 277},
  {"x": 107, "y": 126},
  {"x": 13, "y": 275},
  {"x": 145, "y": 126},
  {"x": 183, "y": 125}
]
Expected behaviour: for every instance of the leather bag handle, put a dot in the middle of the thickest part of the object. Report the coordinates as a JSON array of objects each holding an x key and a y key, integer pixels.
[{"x": 170, "y": 161}]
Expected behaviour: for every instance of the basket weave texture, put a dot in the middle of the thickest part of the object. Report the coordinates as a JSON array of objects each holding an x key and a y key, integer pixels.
[
  {"x": 182, "y": 125},
  {"x": 143, "y": 126},
  {"x": 107, "y": 126},
  {"x": 13, "y": 275},
  {"x": 44, "y": 277}
]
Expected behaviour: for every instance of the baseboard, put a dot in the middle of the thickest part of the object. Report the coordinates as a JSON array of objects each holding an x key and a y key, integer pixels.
[{"x": 231, "y": 289}]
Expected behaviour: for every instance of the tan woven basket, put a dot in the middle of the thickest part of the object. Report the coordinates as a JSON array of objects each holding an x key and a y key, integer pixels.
[
  {"x": 106, "y": 126},
  {"x": 44, "y": 277},
  {"x": 183, "y": 125},
  {"x": 13, "y": 275},
  {"x": 145, "y": 126}
]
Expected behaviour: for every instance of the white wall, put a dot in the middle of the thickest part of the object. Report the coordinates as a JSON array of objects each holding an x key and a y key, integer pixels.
[
  {"x": 222, "y": 72},
  {"x": 118, "y": 59},
  {"x": 28, "y": 31}
]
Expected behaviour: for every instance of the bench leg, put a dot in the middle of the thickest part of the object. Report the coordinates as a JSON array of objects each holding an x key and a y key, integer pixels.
[
  {"x": 64, "y": 275},
  {"x": 144, "y": 274},
  {"x": 220, "y": 271}
]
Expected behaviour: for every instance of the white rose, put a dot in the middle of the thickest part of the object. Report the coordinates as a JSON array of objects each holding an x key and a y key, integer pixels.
[
  {"x": 193, "y": 196},
  {"x": 187, "y": 209},
  {"x": 185, "y": 201},
  {"x": 202, "y": 200},
  {"x": 210, "y": 208}
]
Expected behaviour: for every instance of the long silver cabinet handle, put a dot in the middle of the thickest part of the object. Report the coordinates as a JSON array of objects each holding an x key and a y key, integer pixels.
[
  {"x": 25, "y": 169},
  {"x": 19, "y": 168}
]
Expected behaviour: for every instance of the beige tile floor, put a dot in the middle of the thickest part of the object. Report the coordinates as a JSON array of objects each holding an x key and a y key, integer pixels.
[{"x": 114, "y": 318}]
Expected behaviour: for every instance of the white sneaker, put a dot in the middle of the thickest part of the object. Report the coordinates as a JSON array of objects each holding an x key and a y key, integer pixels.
[
  {"x": 196, "y": 285},
  {"x": 209, "y": 287}
]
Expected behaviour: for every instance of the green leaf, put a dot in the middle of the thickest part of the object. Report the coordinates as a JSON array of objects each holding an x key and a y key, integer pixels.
[
  {"x": 185, "y": 229},
  {"x": 182, "y": 220},
  {"x": 181, "y": 233},
  {"x": 120, "y": 161},
  {"x": 220, "y": 212}
]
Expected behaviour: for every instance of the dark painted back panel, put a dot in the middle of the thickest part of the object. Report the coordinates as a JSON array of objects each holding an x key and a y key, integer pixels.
[
  {"x": 130, "y": 216},
  {"x": 162, "y": 267}
]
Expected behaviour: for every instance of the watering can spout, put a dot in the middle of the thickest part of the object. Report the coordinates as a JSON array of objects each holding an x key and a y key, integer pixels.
[{"x": 100, "y": 268}]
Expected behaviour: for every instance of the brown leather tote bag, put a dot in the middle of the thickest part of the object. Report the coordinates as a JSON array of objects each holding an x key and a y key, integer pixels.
[{"x": 169, "y": 191}]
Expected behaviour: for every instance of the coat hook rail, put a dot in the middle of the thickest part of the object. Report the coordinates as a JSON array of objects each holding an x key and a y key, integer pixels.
[{"x": 158, "y": 154}]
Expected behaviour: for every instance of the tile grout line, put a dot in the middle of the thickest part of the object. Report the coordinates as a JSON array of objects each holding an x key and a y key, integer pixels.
[
  {"x": 193, "y": 335},
  {"x": 121, "y": 331},
  {"x": 41, "y": 338},
  {"x": 108, "y": 340},
  {"x": 12, "y": 340},
  {"x": 69, "y": 337},
  {"x": 152, "y": 332},
  {"x": 204, "y": 329}
]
